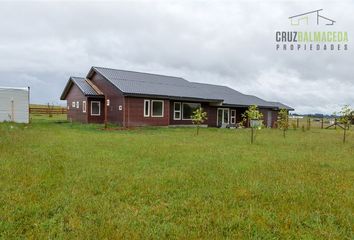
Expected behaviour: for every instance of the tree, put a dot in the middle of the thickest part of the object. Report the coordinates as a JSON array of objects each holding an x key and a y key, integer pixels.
[
  {"x": 253, "y": 115},
  {"x": 283, "y": 120},
  {"x": 198, "y": 117},
  {"x": 346, "y": 115}
]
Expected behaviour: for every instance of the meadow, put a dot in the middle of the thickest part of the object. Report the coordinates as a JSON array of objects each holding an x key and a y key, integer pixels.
[{"x": 61, "y": 180}]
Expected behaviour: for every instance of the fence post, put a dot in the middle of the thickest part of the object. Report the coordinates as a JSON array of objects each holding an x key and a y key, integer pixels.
[
  {"x": 322, "y": 123},
  {"x": 335, "y": 123},
  {"x": 297, "y": 123}
]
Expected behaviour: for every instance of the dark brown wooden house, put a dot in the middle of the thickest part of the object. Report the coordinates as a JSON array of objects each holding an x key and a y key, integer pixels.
[{"x": 142, "y": 99}]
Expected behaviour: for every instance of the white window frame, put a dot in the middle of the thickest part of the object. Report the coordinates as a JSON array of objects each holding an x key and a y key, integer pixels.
[
  {"x": 163, "y": 106},
  {"x": 73, "y": 104},
  {"x": 77, "y": 104},
  {"x": 148, "y": 111},
  {"x": 233, "y": 118},
  {"x": 200, "y": 105},
  {"x": 99, "y": 108},
  {"x": 177, "y": 111},
  {"x": 83, "y": 106}
]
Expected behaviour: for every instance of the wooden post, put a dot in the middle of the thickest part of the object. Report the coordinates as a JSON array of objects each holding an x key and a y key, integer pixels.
[
  {"x": 105, "y": 112},
  {"x": 335, "y": 123},
  {"x": 12, "y": 110},
  {"x": 322, "y": 123},
  {"x": 251, "y": 134},
  {"x": 297, "y": 123},
  {"x": 345, "y": 131}
]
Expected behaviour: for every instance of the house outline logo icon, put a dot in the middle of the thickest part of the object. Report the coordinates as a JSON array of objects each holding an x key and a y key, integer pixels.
[{"x": 304, "y": 17}]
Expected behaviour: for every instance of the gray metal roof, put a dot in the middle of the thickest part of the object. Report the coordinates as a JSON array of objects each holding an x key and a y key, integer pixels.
[
  {"x": 138, "y": 83},
  {"x": 82, "y": 84}
]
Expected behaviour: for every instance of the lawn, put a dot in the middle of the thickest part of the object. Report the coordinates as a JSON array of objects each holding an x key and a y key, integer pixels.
[{"x": 73, "y": 181}]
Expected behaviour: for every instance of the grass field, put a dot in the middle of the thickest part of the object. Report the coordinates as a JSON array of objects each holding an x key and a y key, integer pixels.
[{"x": 73, "y": 181}]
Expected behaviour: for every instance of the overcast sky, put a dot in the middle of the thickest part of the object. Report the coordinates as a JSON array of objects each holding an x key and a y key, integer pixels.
[{"x": 229, "y": 43}]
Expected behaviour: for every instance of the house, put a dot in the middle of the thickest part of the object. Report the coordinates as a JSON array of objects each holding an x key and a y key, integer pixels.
[
  {"x": 312, "y": 15},
  {"x": 14, "y": 104},
  {"x": 143, "y": 99}
]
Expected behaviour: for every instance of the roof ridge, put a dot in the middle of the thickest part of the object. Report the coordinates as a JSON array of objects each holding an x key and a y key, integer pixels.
[
  {"x": 159, "y": 83},
  {"x": 162, "y": 75}
]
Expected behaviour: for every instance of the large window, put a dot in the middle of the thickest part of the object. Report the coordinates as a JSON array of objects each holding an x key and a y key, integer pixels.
[
  {"x": 177, "y": 111},
  {"x": 146, "y": 108},
  {"x": 156, "y": 108},
  {"x": 95, "y": 108},
  {"x": 188, "y": 109}
]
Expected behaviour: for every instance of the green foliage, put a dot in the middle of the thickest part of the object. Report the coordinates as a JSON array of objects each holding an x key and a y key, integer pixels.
[
  {"x": 346, "y": 116},
  {"x": 75, "y": 181},
  {"x": 198, "y": 118},
  {"x": 283, "y": 120},
  {"x": 252, "y": 113}
]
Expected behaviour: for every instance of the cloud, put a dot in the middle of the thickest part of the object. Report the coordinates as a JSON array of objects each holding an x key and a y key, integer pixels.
[{"x": 221, "y": 42}]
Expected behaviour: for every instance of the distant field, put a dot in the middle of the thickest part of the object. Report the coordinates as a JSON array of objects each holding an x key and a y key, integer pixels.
[{"x": 74, "y": 181}]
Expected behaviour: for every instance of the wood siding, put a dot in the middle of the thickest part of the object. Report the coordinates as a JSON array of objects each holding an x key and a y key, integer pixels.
[
  {"x": 95, "y": 119},
  {"x": 115, "y": 96},
  {"x": 134, "y": 113},
  {"x": 75, "y": 114}
]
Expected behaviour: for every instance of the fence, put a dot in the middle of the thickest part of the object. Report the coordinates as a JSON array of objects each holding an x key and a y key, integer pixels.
[
  {"x": 47, "y": 110},
  {"x": 313, "y": 122}
]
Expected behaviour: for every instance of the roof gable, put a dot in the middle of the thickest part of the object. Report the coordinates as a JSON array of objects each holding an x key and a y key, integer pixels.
[{"x": 85, "y": 86}]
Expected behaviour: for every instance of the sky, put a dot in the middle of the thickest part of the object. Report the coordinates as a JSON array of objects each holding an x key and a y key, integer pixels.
[{"x": 229, "y": 43}]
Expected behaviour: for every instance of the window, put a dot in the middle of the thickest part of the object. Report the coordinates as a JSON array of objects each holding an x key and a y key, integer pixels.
[
  {"x": 188, "y": 109},
  {"x": 146, "y": 108},
  {"x": 108, "y": 102},
  {"x": 177, "y": 111},
  {"x": 73, "y": 104},
  {"x": 233, "y": 116},
  {"x": 84, "y": 106},
  {"x": 95, "y": 108},
  {"x": 77, "y": 104},
  {"x": 157, "y": 108}
]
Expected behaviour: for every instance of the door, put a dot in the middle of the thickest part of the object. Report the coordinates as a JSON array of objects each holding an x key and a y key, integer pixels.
[
  {"x": 223, "y": 117},
  {"x": 269, "y": 119}
]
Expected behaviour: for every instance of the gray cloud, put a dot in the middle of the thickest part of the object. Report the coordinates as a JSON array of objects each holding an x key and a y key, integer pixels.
[{"x": 230, "y": 43}]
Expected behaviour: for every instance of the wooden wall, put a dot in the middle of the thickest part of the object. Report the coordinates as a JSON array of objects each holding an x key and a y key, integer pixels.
[{"x": 76, "y": 114}]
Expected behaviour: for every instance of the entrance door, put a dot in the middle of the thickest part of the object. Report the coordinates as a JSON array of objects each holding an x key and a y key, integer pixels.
[
  {"x": 223, "y": 117},
  {"x": 269, "y": 119}
]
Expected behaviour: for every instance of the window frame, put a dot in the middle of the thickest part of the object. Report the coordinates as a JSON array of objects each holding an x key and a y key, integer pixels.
[
  {"x": 232, "y": 117},
  {"x": 73, "y": 104},
  {"x": 200, "y": 105},
  {"x": 77, "y": 104},
  {"x": 152, "y": 108},
  {"x": 99, "y": 108},
  {"x": 149, "y": 107},
  {"x": 84, "y": 106},
  {"x": 177, "y": 111}
]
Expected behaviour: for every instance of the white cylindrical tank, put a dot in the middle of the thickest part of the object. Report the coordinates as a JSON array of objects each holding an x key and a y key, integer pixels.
[{"x": 14, "y": 104}]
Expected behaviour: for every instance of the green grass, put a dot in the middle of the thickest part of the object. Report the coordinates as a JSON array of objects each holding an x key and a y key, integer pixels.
[{"x": 73, "y": 181}]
